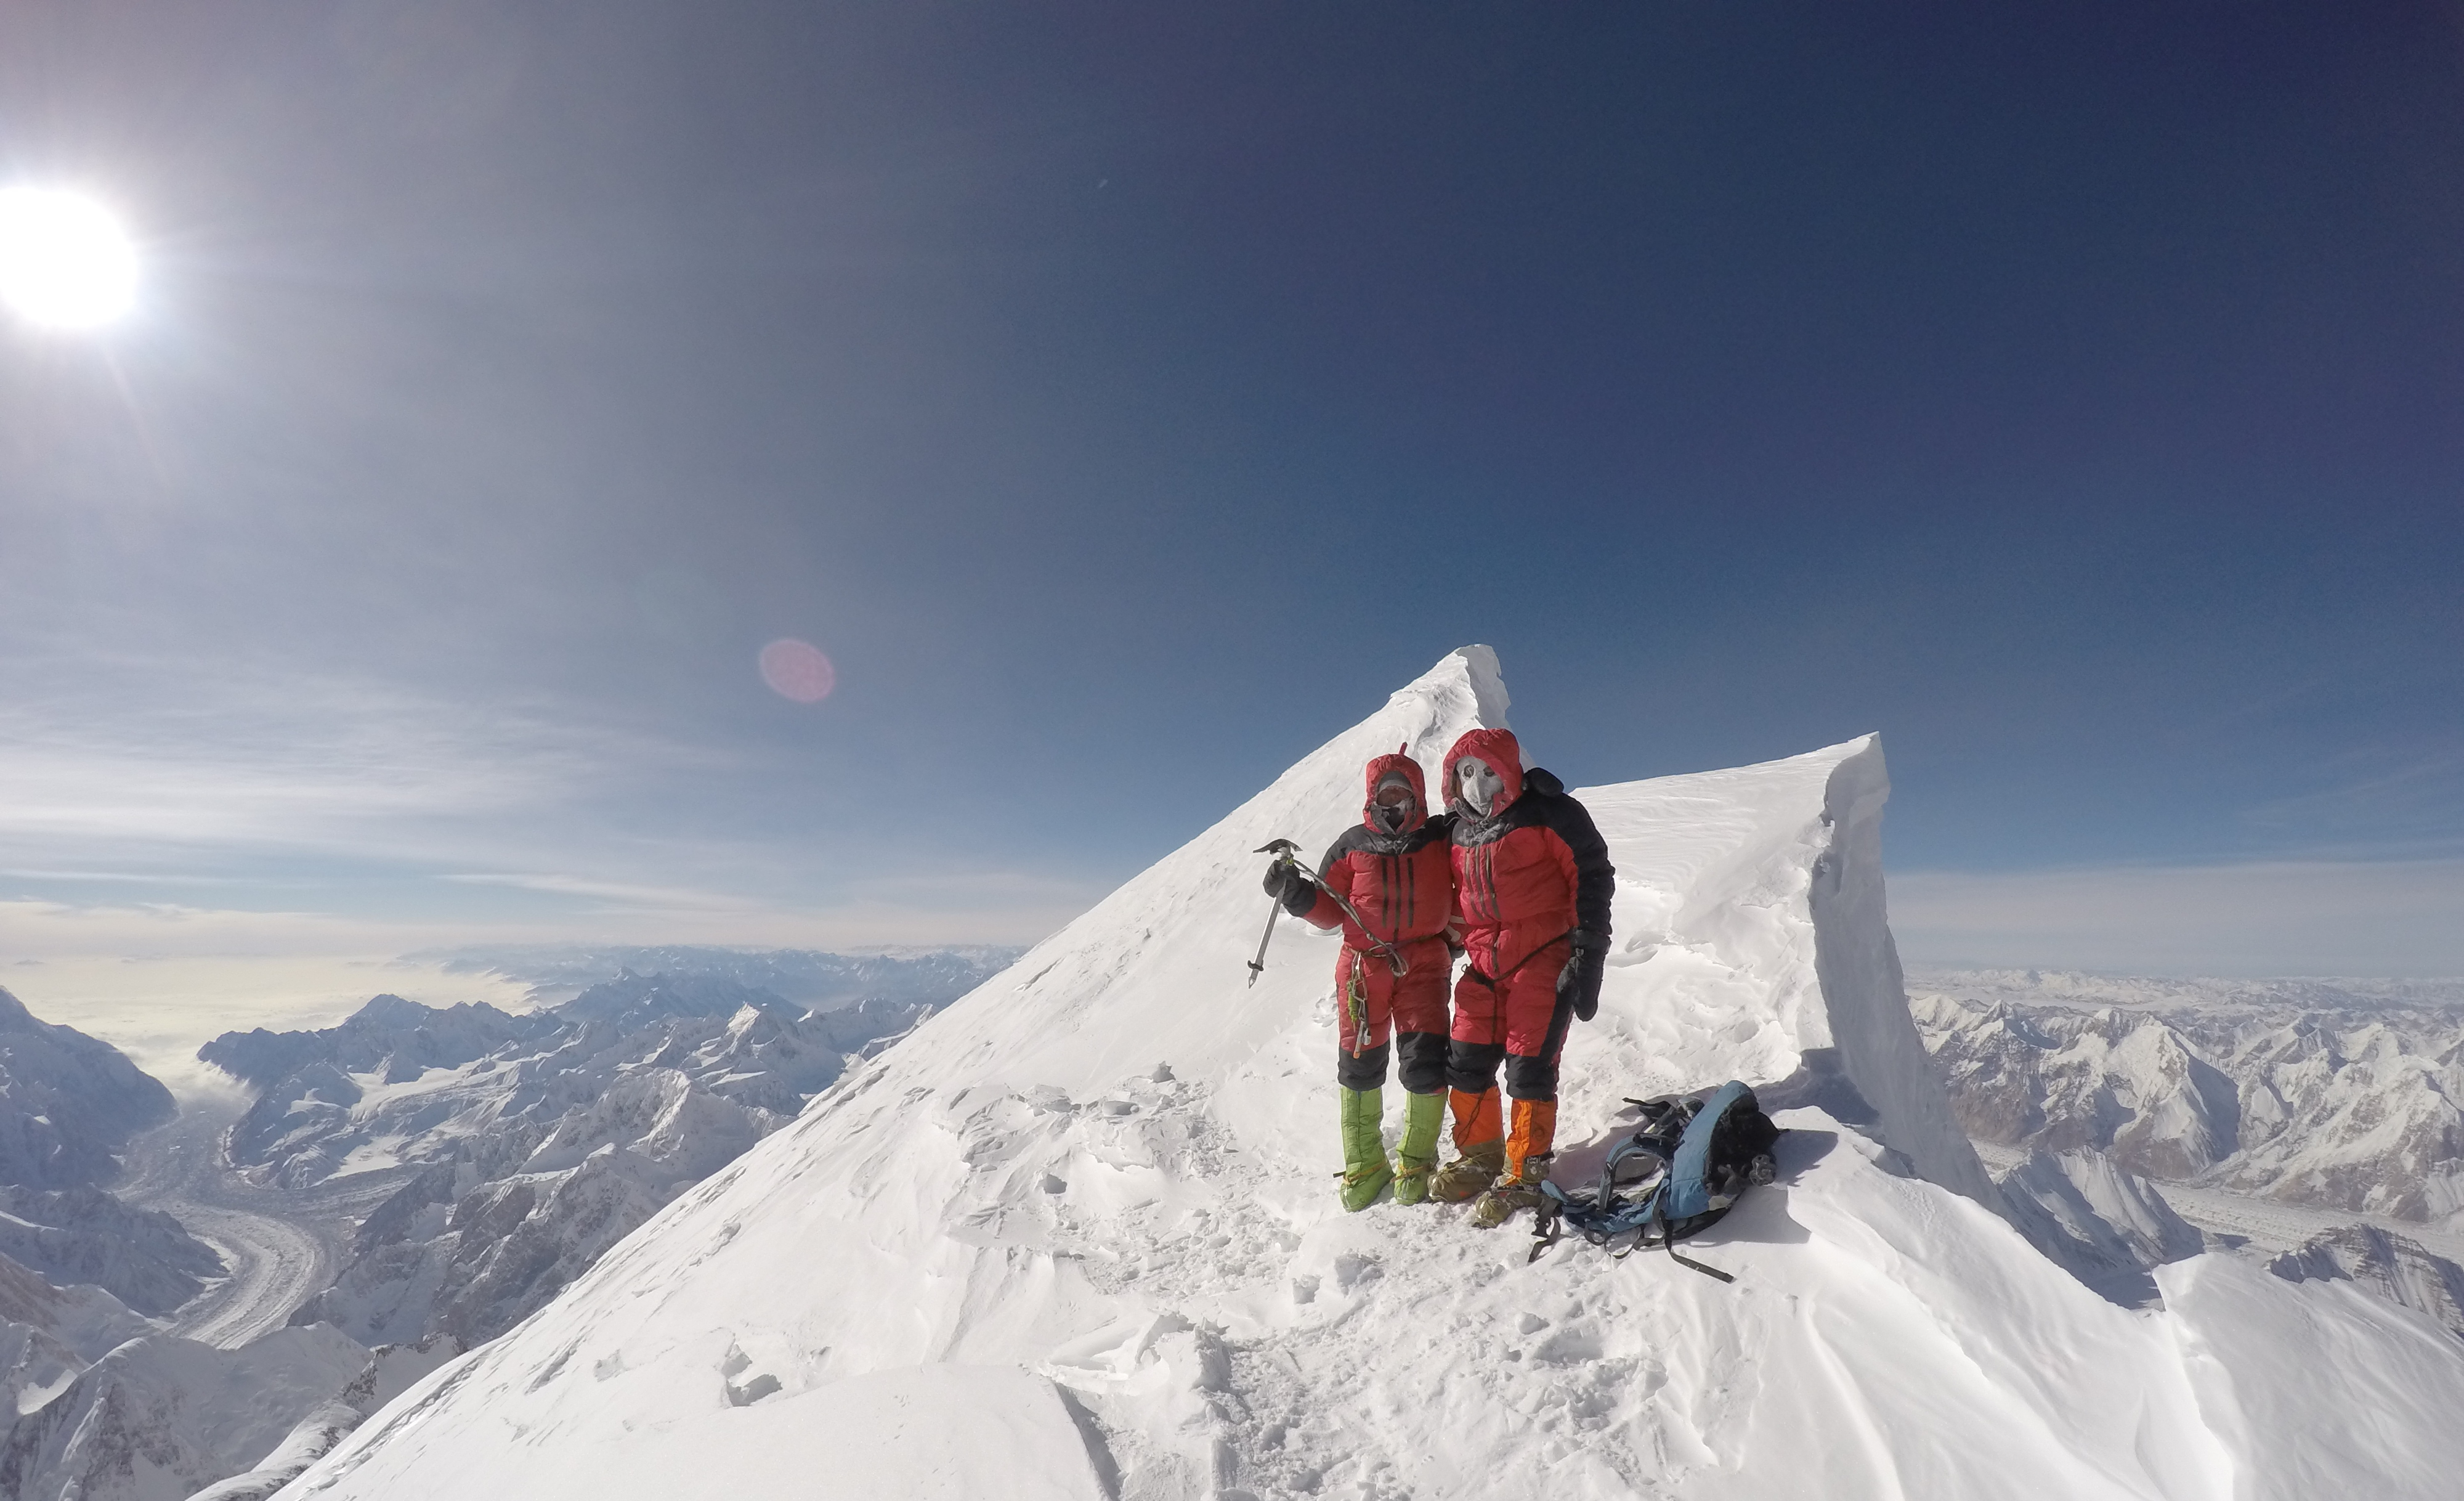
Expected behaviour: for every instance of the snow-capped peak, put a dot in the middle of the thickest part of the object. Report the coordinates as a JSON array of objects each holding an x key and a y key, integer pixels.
[{"x": 1076, "y": 1237}]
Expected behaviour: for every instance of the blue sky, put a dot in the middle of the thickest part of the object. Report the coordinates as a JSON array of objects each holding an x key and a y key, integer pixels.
[{"x": 1126, "y": 398}]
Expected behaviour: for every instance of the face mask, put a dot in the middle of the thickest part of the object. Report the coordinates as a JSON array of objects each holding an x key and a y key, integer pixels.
[
  {"x": 1394, "y": 806},
  {"x": 1480, "y": 784}
]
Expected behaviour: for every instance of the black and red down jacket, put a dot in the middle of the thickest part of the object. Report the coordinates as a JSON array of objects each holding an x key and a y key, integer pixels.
[
  {"x": 1530, "y": 872},
  {"x": 1402, "y": 884}
]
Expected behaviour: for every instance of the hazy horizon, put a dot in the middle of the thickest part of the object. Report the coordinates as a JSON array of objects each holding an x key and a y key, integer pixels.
[{"x": 833, "y": 474}]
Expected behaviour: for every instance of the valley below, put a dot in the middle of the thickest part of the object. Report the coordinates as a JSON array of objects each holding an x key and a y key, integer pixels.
[
  {"x": 2228, "y": 1218},
  {"x": 201, "y": 1298},
  {"x": 282, "y": 1245}
]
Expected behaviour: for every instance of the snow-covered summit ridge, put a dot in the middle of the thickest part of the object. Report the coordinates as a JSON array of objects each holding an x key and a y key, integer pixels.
[
  {"x": 1753, "y": 942},
  {"x": 1189, "y": 923},
  {"x": 1076, "y": 1237},
  {"x": 1725, "y": 881}
]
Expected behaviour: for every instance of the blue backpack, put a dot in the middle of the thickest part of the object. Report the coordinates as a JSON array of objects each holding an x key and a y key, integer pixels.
[{"x": 1679, "y": 1170}]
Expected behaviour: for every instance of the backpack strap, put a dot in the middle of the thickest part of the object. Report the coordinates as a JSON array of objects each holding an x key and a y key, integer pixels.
[
  {"x": 1659, "y": 1215},
  {"x": 1624, "y": 1152},
  {"x": 1544, "y": 1220}
]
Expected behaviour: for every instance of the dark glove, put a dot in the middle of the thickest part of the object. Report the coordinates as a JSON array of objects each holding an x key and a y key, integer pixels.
[
  {"x": 1288, "y": 883},
  {"x": 1579, "y": 982}
]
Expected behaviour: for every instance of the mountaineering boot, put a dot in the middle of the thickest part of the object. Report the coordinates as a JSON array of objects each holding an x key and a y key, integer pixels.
[
  {"x": 1527, "y": 1164},
  {"x": 1520, "y": 1191},
  {"x": 1366, "y": 1172},
  {"x": 1468, "y": 1175},
  {"x": 1480, "y": 1147},
  {"x": 1418, "y": 1152}
]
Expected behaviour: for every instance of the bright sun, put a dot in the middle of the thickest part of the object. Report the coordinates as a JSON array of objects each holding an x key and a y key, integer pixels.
[{"x": 64, "y": 261}]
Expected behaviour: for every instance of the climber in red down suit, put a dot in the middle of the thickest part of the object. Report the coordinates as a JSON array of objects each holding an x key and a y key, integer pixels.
[
  {"x": 1393, "y": 868},
  {"x": 1532, "y": 884}
]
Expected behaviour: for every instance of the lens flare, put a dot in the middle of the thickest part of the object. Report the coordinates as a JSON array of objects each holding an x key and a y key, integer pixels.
[
  {"x": 65, "y": 263},
  {"x": 798, "y": 670}
]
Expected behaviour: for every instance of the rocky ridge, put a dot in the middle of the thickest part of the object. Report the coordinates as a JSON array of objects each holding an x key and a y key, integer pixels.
[
  {"x": 161, "y": 1417},
  {"x": 2396, "y": 1268},
  {"x": 68, "y": 1102},
  {"x": 143, "y": 1257}
]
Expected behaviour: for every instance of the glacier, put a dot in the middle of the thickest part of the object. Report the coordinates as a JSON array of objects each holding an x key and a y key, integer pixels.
[{"x": 1076, "y": 1237}]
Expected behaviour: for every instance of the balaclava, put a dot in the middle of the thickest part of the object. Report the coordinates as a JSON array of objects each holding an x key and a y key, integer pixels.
[
  {"x": 1478, "y": 783},
  {"x": 1392, "y": 805}
]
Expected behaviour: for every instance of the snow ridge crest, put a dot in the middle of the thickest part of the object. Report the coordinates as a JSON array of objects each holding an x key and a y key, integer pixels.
[{"x": 1075, "y": 1237}]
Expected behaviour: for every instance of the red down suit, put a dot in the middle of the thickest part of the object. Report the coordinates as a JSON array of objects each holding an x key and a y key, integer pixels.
[
  {"x": 1526, "y": 877},
  {"x": 1402, "y": 885}
]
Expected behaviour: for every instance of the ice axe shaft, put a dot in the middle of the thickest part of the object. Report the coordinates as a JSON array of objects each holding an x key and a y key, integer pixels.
[
  {"x": 1258, "y": 966},
  {"x": 1282, "y": 849}
]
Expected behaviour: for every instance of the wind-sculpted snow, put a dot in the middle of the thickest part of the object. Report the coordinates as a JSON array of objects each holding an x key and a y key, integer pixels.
[
  {"x": 310, "y": 1439},
  {"x": 2336, "y": 1392},
  {"x": 2312, "y": 1093},
  {"x": 389, "y": 1372},
  {"x": 2110, "y": 1228},
  {"x": 522, "y": 1147},
  {"x": 1076, "y": 1237}
]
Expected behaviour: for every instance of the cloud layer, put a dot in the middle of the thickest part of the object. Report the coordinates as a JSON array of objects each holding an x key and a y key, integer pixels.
[{"x": 2273, "y": 917}]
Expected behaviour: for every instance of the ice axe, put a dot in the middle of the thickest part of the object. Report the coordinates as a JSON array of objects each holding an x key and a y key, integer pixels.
[{"x": 1283, "y": 849}]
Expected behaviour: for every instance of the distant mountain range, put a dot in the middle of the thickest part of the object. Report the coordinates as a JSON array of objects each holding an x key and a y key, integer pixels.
[
  {"x": 2341, "y": 1095},
  {"x": 69, "y": 1104},
  {"x": 528, "y": 1143},
  {"x": 519, "y": 1146},
  {"x": 810, "y": 978},
  {"x": 96, "y": 1401}
]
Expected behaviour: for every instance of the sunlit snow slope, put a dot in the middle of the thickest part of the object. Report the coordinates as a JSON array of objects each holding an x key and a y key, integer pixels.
[{"x": 1077, "y": 1237}]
